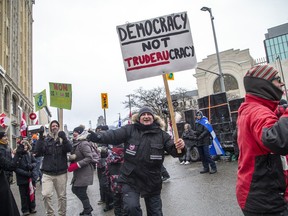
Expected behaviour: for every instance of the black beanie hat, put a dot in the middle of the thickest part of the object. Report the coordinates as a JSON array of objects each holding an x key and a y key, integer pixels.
[
  {"x": 2, "y": 134},
  {"x": 145, "y": 109},
  {"x": 79, "y": 129}
]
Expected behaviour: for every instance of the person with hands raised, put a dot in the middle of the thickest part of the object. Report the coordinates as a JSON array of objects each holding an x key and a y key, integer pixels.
[
  {"x": 54, "y": 148},
  {"x": 145, "y": 143}
]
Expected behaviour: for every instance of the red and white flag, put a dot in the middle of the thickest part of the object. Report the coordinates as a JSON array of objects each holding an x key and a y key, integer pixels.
[
  {"x": 31, "y": 190},
  {"x": 23, "y": 125},
  {"x": 4, "y": 120}
]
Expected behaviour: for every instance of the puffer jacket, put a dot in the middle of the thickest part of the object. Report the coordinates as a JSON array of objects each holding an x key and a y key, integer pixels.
[
  {"x": 82, "y": 150},
  {"x": 144, "y": 148},
  {"x": 262, "y": 139},
  {"x": 54, "y": 150},
  {"x": 26, "y": 169}
]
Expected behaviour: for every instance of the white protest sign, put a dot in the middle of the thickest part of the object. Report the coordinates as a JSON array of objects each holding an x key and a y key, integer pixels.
[{"x": 157, "y": 46}]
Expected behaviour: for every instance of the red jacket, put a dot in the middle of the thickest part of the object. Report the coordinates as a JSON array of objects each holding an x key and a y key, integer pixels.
[{"x": 262, "y": 139}]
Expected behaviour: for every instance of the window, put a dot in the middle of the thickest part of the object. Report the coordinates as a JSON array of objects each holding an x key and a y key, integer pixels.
[
  {"x": 6, "y": 100},
  {"x": 14, "y": 105},
  {"x": 229, "y": 81}
]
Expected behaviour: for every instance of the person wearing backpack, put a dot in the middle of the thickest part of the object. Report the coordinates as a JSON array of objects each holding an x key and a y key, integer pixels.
[{"x": 81, "y": 164}]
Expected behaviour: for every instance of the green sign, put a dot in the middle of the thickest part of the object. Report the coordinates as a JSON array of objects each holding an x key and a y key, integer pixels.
[
  {"x": 61, "y": 95},
  {"x": 40, "y": 100}
]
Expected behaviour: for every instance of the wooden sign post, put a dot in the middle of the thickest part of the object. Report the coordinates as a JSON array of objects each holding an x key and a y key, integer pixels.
[{"x": 171, "y": 110}]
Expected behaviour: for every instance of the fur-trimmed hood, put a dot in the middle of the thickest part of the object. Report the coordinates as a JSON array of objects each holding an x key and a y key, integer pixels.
[{"x": 157, "y": 119}]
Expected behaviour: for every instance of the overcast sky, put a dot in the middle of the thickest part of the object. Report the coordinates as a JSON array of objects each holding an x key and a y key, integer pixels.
[{"x": 76, "y": 42}]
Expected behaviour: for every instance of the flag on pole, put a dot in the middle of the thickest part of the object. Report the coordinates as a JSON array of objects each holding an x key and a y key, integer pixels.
[
  {"x": 36, "y": 121},
  {"x": 40, "y": 100},
  {"x": 31, "y": 190},
  {"x": 215, "y": 148},
  {"x": 23, "y": 125}
]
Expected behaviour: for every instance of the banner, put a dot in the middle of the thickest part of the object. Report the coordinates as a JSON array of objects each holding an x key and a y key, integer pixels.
[
  {"x": 40, "y": 100},
  {"x": 61, "y": 95},
  {"x": 157, "y": 46}
]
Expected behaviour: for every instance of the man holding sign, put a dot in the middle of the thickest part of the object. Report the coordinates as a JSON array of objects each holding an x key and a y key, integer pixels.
[{"x": 145, "y": 142}]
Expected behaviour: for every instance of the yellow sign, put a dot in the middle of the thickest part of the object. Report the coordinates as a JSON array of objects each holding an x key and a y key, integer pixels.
[
  {"x": 104, "y": 100},
  {"x": 170, "y": 76}
]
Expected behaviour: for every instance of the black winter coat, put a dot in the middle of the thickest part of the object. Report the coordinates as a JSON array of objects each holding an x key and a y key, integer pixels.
[
  {"x": 203, "y": 135},
  {"x": 144, "y": 148},
  {"x": 26, "y": 169},
  {"x": 55, "y": 154},
  {"x": 8, "y": 205},
  {"x": 189, "y": 138},
  {"x": 6, "y": 152}
]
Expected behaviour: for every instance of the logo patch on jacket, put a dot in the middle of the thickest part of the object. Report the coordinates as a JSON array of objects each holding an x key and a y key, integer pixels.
[{"x": 131, "y": 150}]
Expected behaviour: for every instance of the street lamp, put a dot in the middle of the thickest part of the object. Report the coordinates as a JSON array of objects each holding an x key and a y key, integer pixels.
[{"x": 216, "y": 46}]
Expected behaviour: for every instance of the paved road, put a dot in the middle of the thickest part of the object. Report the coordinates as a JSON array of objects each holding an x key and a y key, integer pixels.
[{"x": 186, "y": 193}]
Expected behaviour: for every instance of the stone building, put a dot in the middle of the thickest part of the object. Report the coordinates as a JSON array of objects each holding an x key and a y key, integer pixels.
[{"x": 16, "y": 88}]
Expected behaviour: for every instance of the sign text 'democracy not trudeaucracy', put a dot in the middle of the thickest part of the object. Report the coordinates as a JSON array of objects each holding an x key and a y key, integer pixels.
[{"x": 157, "y": 46}]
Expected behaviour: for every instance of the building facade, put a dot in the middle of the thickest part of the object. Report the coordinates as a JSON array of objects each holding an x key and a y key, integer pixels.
[
  {"x": 16, "y": 87},
  {"x": 276, "y": 43}
]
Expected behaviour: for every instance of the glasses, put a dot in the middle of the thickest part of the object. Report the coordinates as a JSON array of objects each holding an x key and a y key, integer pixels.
[{"x": 277, "y": 78}]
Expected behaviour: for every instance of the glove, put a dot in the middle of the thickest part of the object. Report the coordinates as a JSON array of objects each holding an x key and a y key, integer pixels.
[
  {"x": 280, "y": 110},
  {"x": 73, "y": 167},
  {"x": 41, "y": 132},
  {"x": 62, "y": 135},
  {"x": 93, "y": 137},
  {"x": 31, "y": 166}
]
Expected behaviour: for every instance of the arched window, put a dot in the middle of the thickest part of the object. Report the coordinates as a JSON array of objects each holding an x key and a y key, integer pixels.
[
  {"x": 6, "y": 100},
  {"x": 14, "y": 105},
  {"x": 229, "y": 81}
]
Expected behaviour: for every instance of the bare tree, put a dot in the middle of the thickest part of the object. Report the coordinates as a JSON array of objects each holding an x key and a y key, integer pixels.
[{"x": 153, "y": 98}]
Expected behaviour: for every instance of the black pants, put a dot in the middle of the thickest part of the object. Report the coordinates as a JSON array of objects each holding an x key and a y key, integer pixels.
[
  {"x": 131, "y": 201},
  {"x": 80, "y": 192},
  {"x": 100, "y": 174},
  {"x": 283, "y": 213},
  {"x": 26, "y": 204}
]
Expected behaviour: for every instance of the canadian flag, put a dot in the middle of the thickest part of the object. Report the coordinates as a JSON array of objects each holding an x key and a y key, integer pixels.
[
  {"x": 23, "y": 125},
  {"x": 36, "y": 121},
  {"x": 31, "y": 190},
  {"x": 4, "y": 120}
]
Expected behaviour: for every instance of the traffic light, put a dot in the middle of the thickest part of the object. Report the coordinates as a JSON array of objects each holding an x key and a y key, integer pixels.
[
  {"x": 104, "y": 100},
  {"x": 170, "y": 76}
]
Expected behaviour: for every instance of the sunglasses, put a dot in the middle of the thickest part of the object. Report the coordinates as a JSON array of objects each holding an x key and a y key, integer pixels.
[{"x": 277, "y": 78}]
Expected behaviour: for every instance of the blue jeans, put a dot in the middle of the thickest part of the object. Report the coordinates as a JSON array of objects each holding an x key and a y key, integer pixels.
[{"x": 206, "y": 157}]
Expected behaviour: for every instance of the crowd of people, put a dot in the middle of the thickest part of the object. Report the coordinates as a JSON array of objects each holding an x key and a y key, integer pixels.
[{"x": 129, "y": 160}]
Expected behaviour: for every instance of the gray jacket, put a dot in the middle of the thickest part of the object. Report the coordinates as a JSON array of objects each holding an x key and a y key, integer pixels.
[{"x": 82, "y": 150}]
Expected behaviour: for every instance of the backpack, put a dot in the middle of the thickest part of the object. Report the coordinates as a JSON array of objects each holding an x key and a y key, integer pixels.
[{"x": 95, "y": 153}]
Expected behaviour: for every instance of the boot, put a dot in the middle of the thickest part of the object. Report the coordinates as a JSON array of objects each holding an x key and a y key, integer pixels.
[{"x": 87, "y": 208}]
